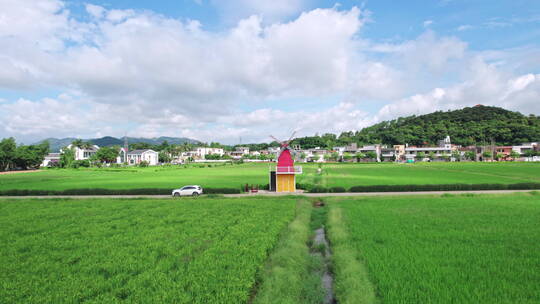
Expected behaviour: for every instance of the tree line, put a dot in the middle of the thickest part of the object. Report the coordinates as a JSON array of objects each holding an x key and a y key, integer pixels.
[
  {"x": 479, "y": 125},
  {"x": 13, "y": 156}
]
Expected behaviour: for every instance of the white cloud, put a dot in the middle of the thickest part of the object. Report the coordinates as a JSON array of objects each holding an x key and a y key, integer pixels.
[
  {"x": 164, "y": 76},
  {"x": 427, "y": 23},
  {"x": 95, "y": 11},
  {"x": 464, "y": 27},
  {"x": 486, "y": 85}
]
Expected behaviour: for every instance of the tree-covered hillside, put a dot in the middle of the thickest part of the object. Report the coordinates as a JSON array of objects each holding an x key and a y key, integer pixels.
[{"x": 469, "y": 126}]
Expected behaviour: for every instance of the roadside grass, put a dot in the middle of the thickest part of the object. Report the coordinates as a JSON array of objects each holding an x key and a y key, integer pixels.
[
  {"x": 137, "y": 250},
  {"x": 292, "y": 274},
  {"x": 351, "y": 279},
  {"x": 440, "y": 249}
]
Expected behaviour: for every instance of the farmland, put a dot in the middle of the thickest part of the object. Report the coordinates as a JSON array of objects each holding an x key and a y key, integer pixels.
[
  {"x": 232, "y": 176},
  {"x": 109, "y": 250},
  {"x": 414, "y": 249},
  {"x": 449, "y": 249}
]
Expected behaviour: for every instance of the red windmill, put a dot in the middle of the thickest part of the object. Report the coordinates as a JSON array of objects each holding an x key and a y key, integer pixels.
[{"x": 283, "y": 176}]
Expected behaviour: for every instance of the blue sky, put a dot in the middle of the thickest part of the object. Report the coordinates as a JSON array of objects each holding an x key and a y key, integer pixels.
[{"x": 217, "y": 70}]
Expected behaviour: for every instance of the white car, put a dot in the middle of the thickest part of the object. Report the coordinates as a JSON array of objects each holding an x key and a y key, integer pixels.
[{"x": 192, "y": 190}]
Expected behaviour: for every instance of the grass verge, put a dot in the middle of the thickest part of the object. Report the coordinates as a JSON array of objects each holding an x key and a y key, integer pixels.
[
  {"x": 292, "y": 273},
  {"x": 351, "y": 281}
]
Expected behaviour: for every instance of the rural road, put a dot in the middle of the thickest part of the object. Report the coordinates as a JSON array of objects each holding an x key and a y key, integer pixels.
[{"x": 279, "y": 194}]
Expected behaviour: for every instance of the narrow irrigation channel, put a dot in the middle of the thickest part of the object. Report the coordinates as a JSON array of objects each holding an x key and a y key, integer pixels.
[
  {"x": 321, "y": 248},
  {"x": 298, "y": 270}
]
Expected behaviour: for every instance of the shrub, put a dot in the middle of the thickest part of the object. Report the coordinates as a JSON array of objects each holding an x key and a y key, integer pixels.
[
  {"x": 221, "y": 191},
  {"x": 337, "y": 189},
  {"x": 444, "y": 187},
  {"x": 318, "y": 189},
  {"x": 101, "y": 191},
  {"x": 143, "y": 164}
]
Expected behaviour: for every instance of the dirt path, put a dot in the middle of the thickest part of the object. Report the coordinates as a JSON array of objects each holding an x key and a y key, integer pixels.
[
  {"x": 13, "y": 172},
  {"x": 279, "y": 194}
]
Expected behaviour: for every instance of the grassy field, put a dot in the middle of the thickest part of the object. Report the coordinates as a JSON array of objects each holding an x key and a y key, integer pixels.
[
  {"x": 449, "y": 249},
  {"x": 348, "y": 175},
  {"x": 413, "y": 249},
  {"x": 143, "y": 251},
  {"x": 232, "y": 176}
]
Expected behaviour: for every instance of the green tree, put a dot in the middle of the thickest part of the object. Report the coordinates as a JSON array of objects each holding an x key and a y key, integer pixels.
[
  {"x": 77, "y": 143},
  {"x": 420, "y": 155},
  {"x": 30, "y": 156},
  {"x": 164, "y": 157},
  {"x": 107, "y": 154},
  {"x": 470, "y": 155},
  {"x": 7, "y": 153},
  {"x": 514, "y": 155},
  {"x": 487, "y": 154},
  {"x": 456, "y": 155},
  {"x": 359, "y": 156},
  {"x": 67, "y": 157},
  {"x": 431, "y": 155},
  {"x": 530, "y": 153},
  {"x": 371, "y": 155},
  {"x": 347, "y": 156},
  {"x": 164, "y": 146}
]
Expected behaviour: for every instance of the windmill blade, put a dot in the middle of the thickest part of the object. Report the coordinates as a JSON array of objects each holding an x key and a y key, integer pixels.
[
  {"x": 290, "y": 138},
  {"x": 277, "y": 140}
]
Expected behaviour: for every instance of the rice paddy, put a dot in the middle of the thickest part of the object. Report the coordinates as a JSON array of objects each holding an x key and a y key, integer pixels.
[
  {"x": 449, "y": 249},
  {"x": 143, "y": 251},
  {"x": 233, "y": 176}
]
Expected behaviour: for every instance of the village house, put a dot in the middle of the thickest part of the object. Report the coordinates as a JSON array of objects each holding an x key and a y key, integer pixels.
[
  {"x": 201, "y": 152},
  {"x": 505, "y": 151},
  {"x": 443, "y": 151},
  {"x": 50, "y": 159},
  {"x": 135, "y": 157},
  {"x": 83, "y": 153},
  {"x": 372, "y": 148}
]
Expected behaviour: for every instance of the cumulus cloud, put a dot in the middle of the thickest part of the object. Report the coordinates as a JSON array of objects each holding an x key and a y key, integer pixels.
[
  {"x": 486, "y": 86},
  {"x": 154, "y": 75}
]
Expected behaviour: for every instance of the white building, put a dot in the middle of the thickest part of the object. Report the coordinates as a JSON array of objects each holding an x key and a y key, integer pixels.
[
  {"x": 201, "y": 152},
  {"x": 521, "y": 149},
  {"x": 445, "y": 148},
  {"x": 243, "y": 150},
  {"x": 83, "y": 153},
  {"x": 50, "y": 158},
  {"x": 373, "y": 148},
  {"x": 135, "y": 157}
]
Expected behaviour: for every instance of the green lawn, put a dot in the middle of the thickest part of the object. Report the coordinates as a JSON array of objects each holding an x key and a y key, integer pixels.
[
  {"x": 232, "y": 176},
  {"x": 141, "y": 251},
  {"x": 449, "y": 249}
]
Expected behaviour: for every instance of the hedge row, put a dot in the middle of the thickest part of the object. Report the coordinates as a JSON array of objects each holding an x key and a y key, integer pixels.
[
  {"x": 412, "y": 188},
  {"x": 100, "y": 191}
]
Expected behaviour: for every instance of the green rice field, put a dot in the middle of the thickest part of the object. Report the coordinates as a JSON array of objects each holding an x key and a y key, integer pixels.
[
  {"x": 449, "y": 249},
  {"x": 386, "y": 249},
  {"x": 233, "y": 176},
  {"x": 141, "y": 251}
]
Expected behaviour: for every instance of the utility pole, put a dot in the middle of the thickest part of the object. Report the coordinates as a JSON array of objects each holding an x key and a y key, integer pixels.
[{"x": 126, "y": 147}]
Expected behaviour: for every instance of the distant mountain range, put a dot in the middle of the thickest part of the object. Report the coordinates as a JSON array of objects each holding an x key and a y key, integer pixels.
[{"x": 56, "y": 144}]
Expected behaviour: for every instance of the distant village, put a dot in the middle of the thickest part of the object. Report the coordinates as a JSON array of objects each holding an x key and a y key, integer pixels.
[{"x": 445, "y": 151}]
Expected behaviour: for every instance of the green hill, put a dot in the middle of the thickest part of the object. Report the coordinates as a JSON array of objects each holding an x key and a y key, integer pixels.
[{"x": 468, "y": 126}]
